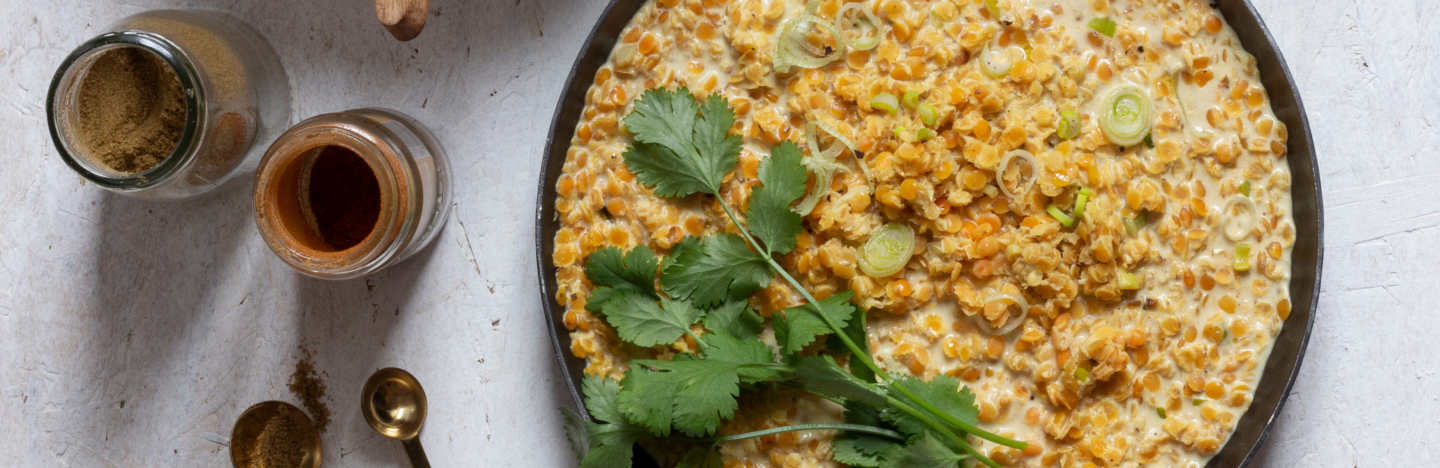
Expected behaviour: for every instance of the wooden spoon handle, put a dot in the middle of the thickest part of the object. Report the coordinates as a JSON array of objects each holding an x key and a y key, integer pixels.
[{"x": 403, "y": 18}]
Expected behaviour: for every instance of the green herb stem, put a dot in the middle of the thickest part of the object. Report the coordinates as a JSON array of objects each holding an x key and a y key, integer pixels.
[
  {"x": 839, "y": 332},
  {"x": 797, "y": 428},
  {"x": 941, "y": 428},
  {"x": 697, "y": 339},
  {"x": 962, "y": 425},
  {"x": 869, "y": 362}
]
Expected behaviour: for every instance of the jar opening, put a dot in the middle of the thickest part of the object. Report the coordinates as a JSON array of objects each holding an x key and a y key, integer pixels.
[
  {"x": 124, "y": 110},
  {"x": 129, "y": 111},
  {"x": 329, "y": 199}
]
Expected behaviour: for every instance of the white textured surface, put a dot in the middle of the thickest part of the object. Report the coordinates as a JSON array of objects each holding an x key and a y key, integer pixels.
[{"x": 131, "y": 333}]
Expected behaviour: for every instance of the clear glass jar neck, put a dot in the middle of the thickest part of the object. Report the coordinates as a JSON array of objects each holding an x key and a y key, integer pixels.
[{"x": 62, "y": 109}]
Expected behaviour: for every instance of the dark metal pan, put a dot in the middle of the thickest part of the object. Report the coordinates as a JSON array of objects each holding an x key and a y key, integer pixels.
[{"x": 1284, "y": 362}]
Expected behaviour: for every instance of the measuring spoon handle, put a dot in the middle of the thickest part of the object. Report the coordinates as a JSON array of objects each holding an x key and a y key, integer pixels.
[{"x": 415, "y": 452}]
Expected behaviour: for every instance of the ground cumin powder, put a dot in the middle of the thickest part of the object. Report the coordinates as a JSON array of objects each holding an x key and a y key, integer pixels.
[
  {"x": 281, "y": 444},
  {"x": 132, "y": 110}
]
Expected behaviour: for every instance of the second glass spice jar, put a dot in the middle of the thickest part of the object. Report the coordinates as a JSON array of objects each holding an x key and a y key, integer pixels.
[{"x": 346, "y": 194}]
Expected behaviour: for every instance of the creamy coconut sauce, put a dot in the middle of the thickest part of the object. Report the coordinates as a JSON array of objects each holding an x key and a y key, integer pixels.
[{"x": 1088, "y": 373}]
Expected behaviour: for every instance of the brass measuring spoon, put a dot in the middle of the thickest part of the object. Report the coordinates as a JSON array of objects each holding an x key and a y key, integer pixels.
[
  {"x": 252, "y": 422},
  {"x": 394, "y": 405}
]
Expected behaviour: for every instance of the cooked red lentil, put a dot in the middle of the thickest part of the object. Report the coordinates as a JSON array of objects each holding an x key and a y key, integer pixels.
[{"x": 1135, "y": 336}]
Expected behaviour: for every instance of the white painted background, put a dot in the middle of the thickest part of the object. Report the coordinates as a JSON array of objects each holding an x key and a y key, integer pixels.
[{"x": 129, "y": 331}]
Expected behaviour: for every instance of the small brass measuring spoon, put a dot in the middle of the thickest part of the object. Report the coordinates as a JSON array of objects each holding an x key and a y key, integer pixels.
[
  {"x": 253, "y": 421},
  {"x": 394, "y": 405}
]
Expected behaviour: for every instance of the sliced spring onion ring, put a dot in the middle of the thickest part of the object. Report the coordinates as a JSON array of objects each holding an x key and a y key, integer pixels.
[
  {"x": 1126, "y": 115},
  {"x": 1069, "y": 125},
  {"x": 911, "y": 99},
  {"x": 1239, "y": 223},
  {"x": 924, "y": 134},
  {"x": 993, "y": 6},
  {"x": 1081, "y": 374},
  {"x": 850, "y": 145},
  {"x": 886, "y": 102},
  {"x": 995, "y": 63},
  {"x": 1134, "y": 225},
  {"x": 1128, "y": 281},
  {"x": 1004, "y": 166},
  {"x": 1104, "y": 26},
  {"x": 1190, "y": 129},
  {"x": 822, "y": 164},
  {"x": 903, "y": 134},
  {"x": 1060, "y": 216},
  {"x": 793, "y": 49},
  {"x": 928, "y": 114},
  {"x": 1012, "y": 322},
  {"x": 1242, "y": 256},
  {"x": 870, "y": 31},
  {"x": 1160, "y": 411},
  {"x": 1245, "y": 188},
  {"x": 854, "y": 151},
  {"x": 887, "y": 251},
  {"x": 1080, "y": 201}
]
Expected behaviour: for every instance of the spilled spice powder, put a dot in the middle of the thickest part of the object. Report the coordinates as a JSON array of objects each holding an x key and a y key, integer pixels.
[
  {"x": 344, "y": 197},
  {"x": 131, "y": 110},
  {"x": 281, "y": 444},
  {"x": 306, "y": 385}
]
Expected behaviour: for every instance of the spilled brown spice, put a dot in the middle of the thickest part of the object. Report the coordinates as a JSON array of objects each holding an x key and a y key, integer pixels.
[{"x": 307, "y": 386}]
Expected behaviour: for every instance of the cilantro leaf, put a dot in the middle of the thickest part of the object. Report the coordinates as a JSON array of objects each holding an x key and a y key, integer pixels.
[
  {"x": 681, "y": 147},
  {"x": 863, "y": 413},
  {"x": 690, "y": 395},
  {"x": 723, "y": 268},
  {"x": 608, "y": 441},
  {"x": 855, "y": 329},
  {"x": 802, "y": 324},
  {"x": 576, "y": 432},
  {"x": 702, "y": 457},
  {"x": 615, "y": 273},
  {"x": 822, "y": 376},
  {"x": 640, "y": 320},
  {"x": 600, "y": 394},
  {"x": 735, "y": 318},
  {"x": 717, "y": 147},
  {"x": 686, "y": 244},
  {"x": 782, "y": 181},
  {"x": 694, "y": 395},
  {"x": 611, "y": 445},
  {"x": 723, "y": 347},
  {"x": 947, "y": 394},
  {"x": 925, "y": 452},
  {"x": 944, "y": 392},
  {"x": 860, "y": 451}
]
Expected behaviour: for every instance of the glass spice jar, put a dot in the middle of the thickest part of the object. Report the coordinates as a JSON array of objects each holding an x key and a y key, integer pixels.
[
  {"x": 235, "y": 93},
  {"x": 346, "y": 194}
]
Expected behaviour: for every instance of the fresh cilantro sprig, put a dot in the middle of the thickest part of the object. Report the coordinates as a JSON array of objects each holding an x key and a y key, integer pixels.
[{"x": 682, "y": 148}]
